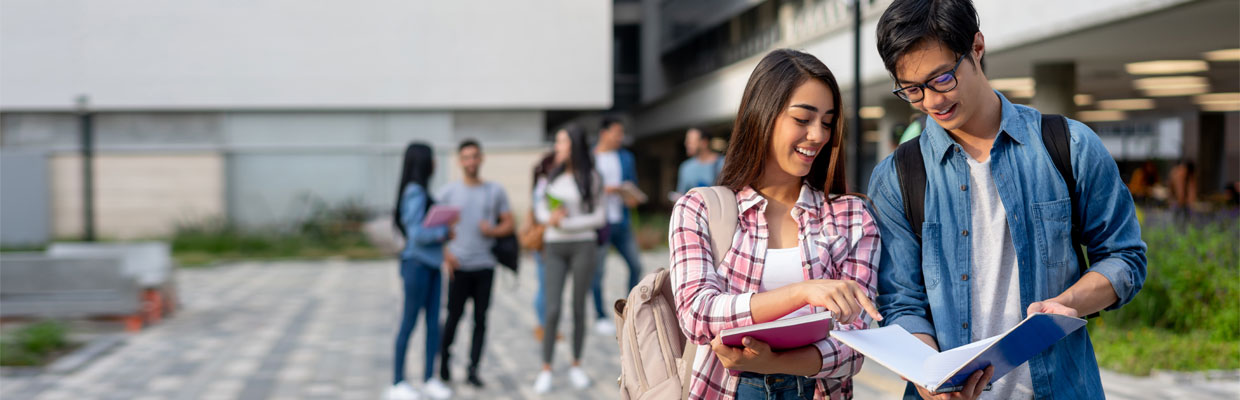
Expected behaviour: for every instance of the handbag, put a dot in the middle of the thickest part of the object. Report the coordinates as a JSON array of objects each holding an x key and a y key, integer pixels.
[{"x": 531, "y": 236}]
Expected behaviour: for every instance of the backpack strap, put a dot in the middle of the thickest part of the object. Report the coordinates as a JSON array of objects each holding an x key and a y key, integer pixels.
[
  {"x": 721, "y": 220},
  {"x": 1056, "y": 138},
  {"x": 911, "y": 172}
]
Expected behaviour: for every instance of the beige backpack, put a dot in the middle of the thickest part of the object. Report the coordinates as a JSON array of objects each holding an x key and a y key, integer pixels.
[{"x": 656, "y": 359}]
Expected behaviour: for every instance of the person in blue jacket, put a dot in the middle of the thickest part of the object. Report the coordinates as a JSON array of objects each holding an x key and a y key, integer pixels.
[{"x": 420, "y": 264}]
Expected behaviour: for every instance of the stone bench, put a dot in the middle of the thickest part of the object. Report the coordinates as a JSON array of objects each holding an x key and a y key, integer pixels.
[
  {"x": 148, "y": 263},
  {"x": 43, "y": 286}
]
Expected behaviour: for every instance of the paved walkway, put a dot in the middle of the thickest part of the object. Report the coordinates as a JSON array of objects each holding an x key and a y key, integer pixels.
[{"x": 324, "y": 330}]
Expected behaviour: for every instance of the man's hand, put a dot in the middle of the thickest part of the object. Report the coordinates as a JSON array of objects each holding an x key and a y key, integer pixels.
[
  {"x": 972, "y": 388},
  {"x": 450, "y": 263},
  {"x": 1051, "y": 307},
  {"x": 486, "y": 229},
  {"x": 756, "y": 356}
]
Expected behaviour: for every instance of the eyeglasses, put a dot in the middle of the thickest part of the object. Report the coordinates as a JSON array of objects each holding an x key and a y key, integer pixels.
[{"x": 943, "y": 83}]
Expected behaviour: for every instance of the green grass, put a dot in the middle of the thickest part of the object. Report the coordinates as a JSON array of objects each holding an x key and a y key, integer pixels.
[
  {"x": 34, "y": 344},
  {"x": 328, "y": 231},
  {"x": 1187, "y": 315}
]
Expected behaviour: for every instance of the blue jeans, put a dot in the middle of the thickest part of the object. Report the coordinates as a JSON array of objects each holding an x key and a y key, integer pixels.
[
  {"x": 540, "y": 301},
  {"x": 622, "y": 239},
  {"x": 422, "y": 290},
  {"x": 774, "y": 387}
]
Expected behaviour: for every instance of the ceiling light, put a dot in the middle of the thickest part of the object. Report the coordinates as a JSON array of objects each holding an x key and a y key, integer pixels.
[
  {"x": 1126, "y": 104},
  {"x": 1006, "y": 84},
  {"x": 872, "y": 112},
  {"x": 1222, "y": 55},
  {"x": 1218, "y": 101},
  {"x": 1083, "y": 100},
  {"x": 1172, "y": 85},
  {"x": 1166, "y": 67},
  {"x": 1100, "y": 115}
]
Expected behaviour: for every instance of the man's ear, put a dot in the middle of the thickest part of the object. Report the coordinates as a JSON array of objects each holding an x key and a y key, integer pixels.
[{"x": 979, "y": 46}]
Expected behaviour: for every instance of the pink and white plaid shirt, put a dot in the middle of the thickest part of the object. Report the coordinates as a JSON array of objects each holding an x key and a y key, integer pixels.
[{"x": 837, "y": 239}]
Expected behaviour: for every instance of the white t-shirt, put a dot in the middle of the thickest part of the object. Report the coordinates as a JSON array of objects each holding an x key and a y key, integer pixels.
[
  {"x": 608, "y": 166},
  {"x": 783, "y": 268},
  {"x": 994, "y": 281}
]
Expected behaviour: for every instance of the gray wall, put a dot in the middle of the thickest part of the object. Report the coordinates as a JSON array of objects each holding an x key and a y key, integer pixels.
[{"x": 24, "y": 198}]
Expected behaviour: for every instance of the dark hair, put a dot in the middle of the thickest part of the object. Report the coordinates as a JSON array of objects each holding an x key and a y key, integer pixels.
[
  {"x": 607, "y": 121},
  {"x": 418, "y": 167},
  {"x": 468, "y": 143},
  {"x": 702, "y": 133},
  {"x": 906, "y": 23},
  {"x": 582, "y": 163},
  {"x": 543, "y": 168},
  {"x": 766, "y": 95}
]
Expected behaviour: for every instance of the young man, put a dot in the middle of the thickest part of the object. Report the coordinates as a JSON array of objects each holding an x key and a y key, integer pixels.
[
  {"x": 703, "y": 165},
  {"x": 616, "y": 166},
  {"x": 467, "y": 258},
  {"x": 996, "y": 238}
]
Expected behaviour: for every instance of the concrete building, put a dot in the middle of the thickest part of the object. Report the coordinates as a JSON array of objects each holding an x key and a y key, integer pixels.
[
  {"x": 1060, "y": 56},
  {"x": 254, "y": 111}
]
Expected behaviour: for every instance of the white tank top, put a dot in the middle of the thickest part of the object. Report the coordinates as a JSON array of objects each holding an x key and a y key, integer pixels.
[{"x": 783, "y": 268}]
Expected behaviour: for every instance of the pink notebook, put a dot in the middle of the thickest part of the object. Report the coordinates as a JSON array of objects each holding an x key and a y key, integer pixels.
[
  {"x": 440, "y": 215},
  {"x": 783, "y": 334}
]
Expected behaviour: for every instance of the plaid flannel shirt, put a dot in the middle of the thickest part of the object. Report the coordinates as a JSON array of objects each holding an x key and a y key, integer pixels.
[{"x": 838, "y": 240}]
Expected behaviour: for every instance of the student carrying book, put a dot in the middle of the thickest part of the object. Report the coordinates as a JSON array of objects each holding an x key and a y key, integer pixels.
[
  {"x": 800, "y": 245},
  {"x": 994, "y": 231}
]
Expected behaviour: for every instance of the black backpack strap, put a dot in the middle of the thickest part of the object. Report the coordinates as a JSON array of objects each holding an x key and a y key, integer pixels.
[
  {"x": 1057, "y": 140},
  {"x": 911, "y": 171}
]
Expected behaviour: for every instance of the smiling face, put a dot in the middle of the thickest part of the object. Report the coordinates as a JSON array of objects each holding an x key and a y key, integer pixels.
[
  {"x": 802, "y": 131},
  {"x": 929, "y": 61}
]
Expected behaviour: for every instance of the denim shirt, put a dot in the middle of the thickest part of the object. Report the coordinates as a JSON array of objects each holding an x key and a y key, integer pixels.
[
  {"x": 924, "y": 289},
  {"x": 423, "y": 245}
]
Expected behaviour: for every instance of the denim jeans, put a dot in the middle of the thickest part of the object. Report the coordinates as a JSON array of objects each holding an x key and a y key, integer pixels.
[
  {"x": 774, "y": 387},
  {"x": 540, "y": 301},
  {"x": 422, "y": 290},
  {"x": 622, "y": 239}
]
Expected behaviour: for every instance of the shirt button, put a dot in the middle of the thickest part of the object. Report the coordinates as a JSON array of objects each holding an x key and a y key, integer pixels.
[
  {"x": 964, "y": 187},
  {"x": 964, "y": 233},
  {"x": 956, "y": 148},
  {"x": 964, "y": 277},
  {"x": 965, "y": 325}
]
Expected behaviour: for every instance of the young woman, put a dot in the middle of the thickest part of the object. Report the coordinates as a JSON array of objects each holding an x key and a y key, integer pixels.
[
  {"x": 800, "y": 246},
  {"x": 420, "y": 263},
  {"x": 567, "y": 199}
]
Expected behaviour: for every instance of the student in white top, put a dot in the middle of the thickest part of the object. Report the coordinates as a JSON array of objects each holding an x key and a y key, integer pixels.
[{"x": 567, "y": 200}]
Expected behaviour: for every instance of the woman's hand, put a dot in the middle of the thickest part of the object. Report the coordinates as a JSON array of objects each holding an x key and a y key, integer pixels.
[
  {"x": 972, "y": 388},
  {"x": 556, "y": 216},
  {"x": 844, "y": 298},
  {"x": 756, "y": 356}
]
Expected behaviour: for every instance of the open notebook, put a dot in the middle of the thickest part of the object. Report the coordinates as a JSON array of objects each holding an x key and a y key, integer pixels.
[{"x": 901, "y": 352}]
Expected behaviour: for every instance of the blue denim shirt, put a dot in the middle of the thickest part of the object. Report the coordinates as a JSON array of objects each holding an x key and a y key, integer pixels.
[
  {"x": 422, "y": 244},
  {"x": 921, "y": 287}
]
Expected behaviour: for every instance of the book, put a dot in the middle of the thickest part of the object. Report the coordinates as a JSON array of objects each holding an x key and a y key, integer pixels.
[
  {"x": 630, "y": 191},
  {"x": 553, "y": 202},
  {"x": 440, "y": 215},
  {"x": 948, "y": 371},
  {"x": 783, "y": 334}
]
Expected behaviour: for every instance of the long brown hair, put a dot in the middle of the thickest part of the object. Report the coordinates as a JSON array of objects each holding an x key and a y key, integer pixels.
[{"x": 766, "y": 95}]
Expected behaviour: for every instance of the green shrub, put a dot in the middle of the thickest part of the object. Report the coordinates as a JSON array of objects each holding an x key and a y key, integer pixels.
[{"x": 33, "y": 344}]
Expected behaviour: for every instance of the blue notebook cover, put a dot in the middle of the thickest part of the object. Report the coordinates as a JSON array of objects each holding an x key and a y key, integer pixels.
[{"x": 901, "y": 352}]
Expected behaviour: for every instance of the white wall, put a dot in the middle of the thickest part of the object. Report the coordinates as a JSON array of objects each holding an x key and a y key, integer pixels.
[{"x": 289, "y": 54}]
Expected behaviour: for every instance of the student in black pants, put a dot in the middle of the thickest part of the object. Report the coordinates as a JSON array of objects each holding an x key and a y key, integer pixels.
[{"x": 467, "y": 258}]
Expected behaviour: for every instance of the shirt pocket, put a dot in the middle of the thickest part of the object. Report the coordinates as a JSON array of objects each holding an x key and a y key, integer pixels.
[
  {"x": 931, "y": 253},
  {"x": 832, "y": 251},
  {"x": 1053, "y": 234}
]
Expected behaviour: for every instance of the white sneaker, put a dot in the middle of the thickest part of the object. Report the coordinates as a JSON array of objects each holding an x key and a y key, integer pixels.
[
  {"x": 437, "y": 390},
  {"x": 402, "y": 391},
  {"x": 579, "y": 378},
  {"x": 542, "y": 385},
  {"x": 604, "y": 327}
]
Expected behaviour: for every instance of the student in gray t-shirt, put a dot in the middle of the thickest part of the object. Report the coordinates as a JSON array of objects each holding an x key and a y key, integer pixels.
[{"x": 468, "y": 259}]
